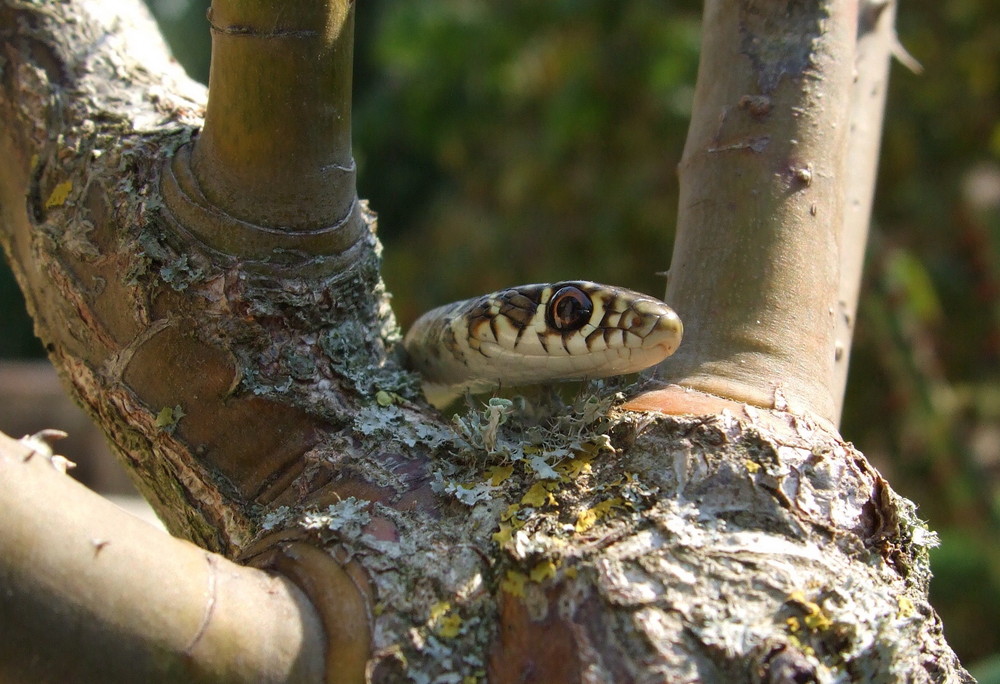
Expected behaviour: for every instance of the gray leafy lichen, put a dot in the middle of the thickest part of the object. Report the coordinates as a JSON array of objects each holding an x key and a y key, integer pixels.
[{"x": 717, "y": 548}]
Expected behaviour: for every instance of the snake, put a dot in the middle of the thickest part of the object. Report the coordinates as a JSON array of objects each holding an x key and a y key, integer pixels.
[{"x": 539, "y": 333}]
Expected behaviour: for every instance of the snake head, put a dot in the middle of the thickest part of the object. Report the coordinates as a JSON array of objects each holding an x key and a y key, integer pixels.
[
  {"x": 601, "y": 330},
  {"x": 572, "y": 330}
]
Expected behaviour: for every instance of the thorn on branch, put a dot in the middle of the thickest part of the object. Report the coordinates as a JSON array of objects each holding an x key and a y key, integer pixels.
[
  {"x": 40, "y": 444},
  {"x": 905, "y": 58}
]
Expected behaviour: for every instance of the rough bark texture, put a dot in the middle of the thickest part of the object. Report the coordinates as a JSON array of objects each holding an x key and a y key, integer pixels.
[{"x": 261, "y": 412}]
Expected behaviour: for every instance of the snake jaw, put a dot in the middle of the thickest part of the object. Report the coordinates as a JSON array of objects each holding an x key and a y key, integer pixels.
[{"x": 513, "y": 337}]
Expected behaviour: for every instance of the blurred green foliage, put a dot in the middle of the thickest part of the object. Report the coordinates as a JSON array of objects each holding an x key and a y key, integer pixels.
[
  {"x": 18, "y": 338},
  {"x": 522, "y": 141}
]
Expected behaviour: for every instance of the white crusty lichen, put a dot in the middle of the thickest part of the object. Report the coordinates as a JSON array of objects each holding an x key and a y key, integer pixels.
[
  {"x": 727, "y": 535},
  {"x": 346, "y": 517}
]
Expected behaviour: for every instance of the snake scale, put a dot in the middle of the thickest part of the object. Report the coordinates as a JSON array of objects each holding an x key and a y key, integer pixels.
[{"x": 531, "y": 334}]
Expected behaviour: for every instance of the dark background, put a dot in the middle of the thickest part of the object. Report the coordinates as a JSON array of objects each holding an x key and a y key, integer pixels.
[{"x": 523, "y": 141}]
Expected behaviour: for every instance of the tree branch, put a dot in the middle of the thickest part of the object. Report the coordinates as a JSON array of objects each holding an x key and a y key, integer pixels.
[
  {"x": 875, "y": 46},
  {"x": 271, "y": 178},
  {"x": 159, "y": 334},
  {"x": 94, "y": 594},
  {"x": 762, "y": 202},
  {"x": 249, "y": 387}
]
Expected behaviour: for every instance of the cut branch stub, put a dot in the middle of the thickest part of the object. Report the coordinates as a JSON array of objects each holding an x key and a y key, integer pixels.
[{"x": 271, "y": 179}]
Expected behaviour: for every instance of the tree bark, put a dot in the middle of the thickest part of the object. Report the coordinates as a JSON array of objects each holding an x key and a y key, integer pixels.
[{"x": 238, "y": 355}]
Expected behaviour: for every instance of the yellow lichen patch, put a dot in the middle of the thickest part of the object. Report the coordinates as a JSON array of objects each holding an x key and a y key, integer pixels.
[
  {"x": 906, "y": 607},
  {"x": 598, "y": 444},
  {"x": 751, "y": 466},
  {"x": 575, "y": 467},
  {"x": 538, "y": 496},
  {"x": 585, "y": 520},
  {"x": 449, "y": 626},
  {"x": 386, "y": 399},
  {"x": 443, "y": 621},
  {"x": 802, "y": 646},
  {"x": 814, "y": 619},
  {"x": 438, "y": 609},
  {"x": 510, "y": 512},
  {"x": 59, "y": 194},
  {"x": 589, "y": 517},
  {"x": 509, "y": 523},
  {"x": 499, "y": 474},
  {"x": 818, "y": 620},
  {"x": 513, "y": 583},
  {"x": 504, "y": 534},
  {"x": 168, "y": 416},
  {"x": 543, "y": 571}
]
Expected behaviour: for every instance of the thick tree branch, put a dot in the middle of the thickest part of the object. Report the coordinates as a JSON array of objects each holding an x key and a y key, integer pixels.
[
  {"x": 94, "y": 594},
  {"x": 762, "y": 204},
  {"x": 253, "y": 395},
  {"x": 160, "y": 335}
]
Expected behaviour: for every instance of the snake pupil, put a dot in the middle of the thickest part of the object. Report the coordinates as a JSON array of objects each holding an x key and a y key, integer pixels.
[{"x": 569, "y": 309}]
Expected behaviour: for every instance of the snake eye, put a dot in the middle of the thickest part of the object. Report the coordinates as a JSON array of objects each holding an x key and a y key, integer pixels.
[{"x": 569, "y": 309}]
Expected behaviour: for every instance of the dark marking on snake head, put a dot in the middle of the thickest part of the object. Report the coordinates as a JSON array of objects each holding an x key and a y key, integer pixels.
[
  {"x": 593, "y": 336},
  {"x": 518, "y": 307},
  {"x": 476, "y": 326},
  {"x": 520, "y": 334},
  {"x": 450, "y": 342}
]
